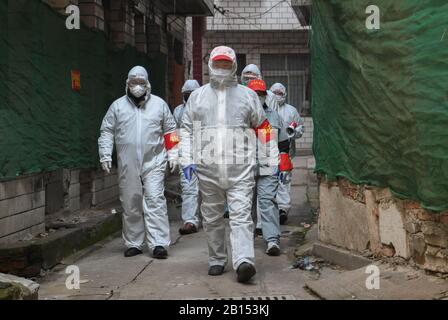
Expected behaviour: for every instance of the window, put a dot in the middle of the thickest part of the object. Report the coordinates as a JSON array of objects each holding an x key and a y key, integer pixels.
[{"x": 292, "y": 70}]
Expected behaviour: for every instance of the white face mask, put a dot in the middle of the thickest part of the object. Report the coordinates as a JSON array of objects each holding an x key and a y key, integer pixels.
[
  {"x": 138, "y": 91},
  {"x": 222, "y": 72},
  {"x": 281, "y": 99},
  {"x": 262, "y": 100}
]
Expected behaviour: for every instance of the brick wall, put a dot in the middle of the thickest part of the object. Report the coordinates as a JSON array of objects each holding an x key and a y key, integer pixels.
[
  {"x": 252, "y": 15},
  {"x": 121, "y": 24},
  {"x": 198, "y": 40},
  {"x": 104, "y": 188},
  {"x": 22, "y": 208},
  {"x": 360, "y": 217},
  {"x": 188, "y": 48},
  {"x": 25, "y": 202},
  {"x": 92, "y": 13},
  {"x": 306, "y": 141},
  {"x": 253, "y": 44}
]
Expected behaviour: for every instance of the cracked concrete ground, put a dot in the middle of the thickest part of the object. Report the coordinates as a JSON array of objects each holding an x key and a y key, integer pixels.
[{"x": 106, "y": 274}]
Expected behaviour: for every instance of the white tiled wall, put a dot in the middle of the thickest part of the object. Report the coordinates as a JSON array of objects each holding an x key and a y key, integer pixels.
[
  {"x": 306, "y": 141},
  {"x": 253, "y": 15},
  {"x": 253, "y": 44}
]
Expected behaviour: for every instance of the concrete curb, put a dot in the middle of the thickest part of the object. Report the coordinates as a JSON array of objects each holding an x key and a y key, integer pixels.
[
  {"x": 15, "y": 288},
  {"x": 340, "y": 257},
  {"x": 26, "y": 259}
]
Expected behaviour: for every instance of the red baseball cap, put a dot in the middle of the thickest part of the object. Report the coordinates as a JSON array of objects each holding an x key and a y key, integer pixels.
[
  {"x": 223, "y": 53},
  {"x": 222, "y": 57},
  {"x": 258, "y": 85}
]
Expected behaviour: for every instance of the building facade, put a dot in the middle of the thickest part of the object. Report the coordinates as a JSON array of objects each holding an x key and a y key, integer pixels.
[{"x": 268, "y": 34}]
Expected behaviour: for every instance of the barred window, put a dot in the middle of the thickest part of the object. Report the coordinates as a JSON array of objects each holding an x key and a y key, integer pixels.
[{"x": 291, "y": 70}]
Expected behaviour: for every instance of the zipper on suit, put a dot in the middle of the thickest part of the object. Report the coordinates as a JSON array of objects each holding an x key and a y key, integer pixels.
[
  {"x": 139, "y": 137},
  {"x": 222, "y": 168}
]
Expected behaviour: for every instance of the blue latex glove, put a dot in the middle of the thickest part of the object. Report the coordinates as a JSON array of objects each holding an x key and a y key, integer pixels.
[
  {"x": 283, "y": 176},
  {"x": 188, "y": 171}
]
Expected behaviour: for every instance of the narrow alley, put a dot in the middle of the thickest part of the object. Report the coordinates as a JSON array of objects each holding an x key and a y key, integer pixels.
[
  {"x": 268, "y": 150},
  {"x": 106, "y": 274}
]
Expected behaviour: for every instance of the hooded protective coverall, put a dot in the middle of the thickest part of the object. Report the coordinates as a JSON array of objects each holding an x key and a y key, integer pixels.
[
  {"x": 265, "y": 208},
  {"x": 190, "y": 189},
  {"x": 250, "y": 72},
  {"x": 142, "y": 135},
  {"x": 290, "y": 117},
  {"x": 216, "y": 114}
]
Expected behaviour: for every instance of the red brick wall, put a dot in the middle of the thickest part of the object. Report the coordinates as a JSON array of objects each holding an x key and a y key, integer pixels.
[{"x": 198, "y": 32}]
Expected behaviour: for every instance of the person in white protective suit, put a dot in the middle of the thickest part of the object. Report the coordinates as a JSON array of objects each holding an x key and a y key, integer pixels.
[
  {"x": 190, "y": 189},
  {"x": 217, "y": 114},
  {"x": 144, "y": 132},
  {"x": 292, "y": 119},
  {"x": 252, "y": 72},
  {"x": 265, "y": 207}
]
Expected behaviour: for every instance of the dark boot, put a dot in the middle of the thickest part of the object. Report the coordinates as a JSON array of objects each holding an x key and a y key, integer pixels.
[
  {"x": 160, "y": 252},
  {"x": 188, "y": 228},
  {"x": 216, "y": 270},
  {"x": 130, "y": 252},
  {"x": 283, "y": 217},
  {"x": 245, "y": 272}
]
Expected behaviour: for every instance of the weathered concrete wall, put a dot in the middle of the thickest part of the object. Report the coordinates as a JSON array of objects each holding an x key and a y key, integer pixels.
[
  {"x": 305, "y": 183},
  {"x": 22, "y": 208},
  {"x": 26, "y": 201},
  {"x": 341, "y": 221},
  {"x": 363, "y": 218}
]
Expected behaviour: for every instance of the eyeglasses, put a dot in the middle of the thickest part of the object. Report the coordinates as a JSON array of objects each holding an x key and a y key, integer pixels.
[
  {"x": 279, "y": 93},
  {"x": 137, "y": 82}
]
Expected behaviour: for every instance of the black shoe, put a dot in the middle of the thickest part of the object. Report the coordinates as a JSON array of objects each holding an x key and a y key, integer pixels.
[
  {"x": 283, "y": 217},
  {"x": 258, "y": 232},
  {"x": 216, "y": 270},
  {"x": 245, "y": 272},
  {"x": 160, "y": 252},
  {"x": 188, "y": 228},
  {"x": 273, "y": 249},
  {"x": 132, "y": 252}
]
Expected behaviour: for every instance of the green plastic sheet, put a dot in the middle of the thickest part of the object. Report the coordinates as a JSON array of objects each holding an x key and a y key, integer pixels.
[
  {"x": 44, "y": 124},
  {"x": 380, "y": 97}
]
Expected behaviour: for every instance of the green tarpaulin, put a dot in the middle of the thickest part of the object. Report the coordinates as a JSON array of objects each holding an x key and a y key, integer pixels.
[
  {"x": 44, "y": 124},
  {"x": 380, "y": 97}
]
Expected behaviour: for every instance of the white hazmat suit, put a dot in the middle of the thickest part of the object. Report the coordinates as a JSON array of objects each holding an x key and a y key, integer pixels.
[
  {"x": 251, "y": 72},
  {"x": 292, "y": 119},
  {"x": 142, "y": 134},
  {"x": 216, "y": 114},
  {"x": 190, "y": 189}
]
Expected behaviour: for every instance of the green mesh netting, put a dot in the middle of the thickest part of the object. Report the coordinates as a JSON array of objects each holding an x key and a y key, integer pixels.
[
  {"x": 44, "y": 124},
  {"x": 380, "y": 97}
]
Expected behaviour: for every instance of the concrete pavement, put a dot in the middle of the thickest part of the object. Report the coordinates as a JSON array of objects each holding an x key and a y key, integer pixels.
[{"x": 106, "y": 274}]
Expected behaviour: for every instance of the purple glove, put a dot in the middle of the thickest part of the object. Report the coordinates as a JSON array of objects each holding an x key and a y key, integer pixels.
[{"x": 188, "y": 171}]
